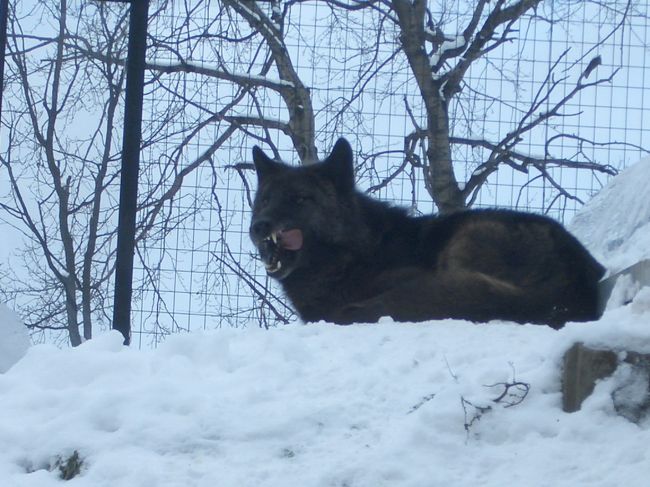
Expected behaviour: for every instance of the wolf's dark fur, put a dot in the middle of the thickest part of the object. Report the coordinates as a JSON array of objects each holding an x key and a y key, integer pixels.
[{"x": 344, "y": 257}]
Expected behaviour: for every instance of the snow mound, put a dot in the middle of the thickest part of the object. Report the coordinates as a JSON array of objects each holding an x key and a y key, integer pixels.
[
  {"x": 14, "y": 339},
  {"x": 615, "y": 224},
  {"x": 319, "y": 405}
]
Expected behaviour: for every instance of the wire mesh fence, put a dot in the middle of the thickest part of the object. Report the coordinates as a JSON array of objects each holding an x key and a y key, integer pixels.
[
  {"x": 217, "y": 84},
  {"x": 361, "y": 87}
]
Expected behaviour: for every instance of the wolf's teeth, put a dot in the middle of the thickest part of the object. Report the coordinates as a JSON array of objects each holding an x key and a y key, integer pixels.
[
  {"x": 273, "y": 267},
  {"x": 274, "y": 237}
]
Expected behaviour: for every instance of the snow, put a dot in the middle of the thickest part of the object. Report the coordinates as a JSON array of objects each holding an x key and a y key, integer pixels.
[
  {"x": 389, "y": 404},
  {"x": 216, "y": 71},
  {"x": 450, "y": 43},
  {"x": 615, "y": 224},
  {"x": 319, "y": 405},
  {"x": 14, "y": 340}
]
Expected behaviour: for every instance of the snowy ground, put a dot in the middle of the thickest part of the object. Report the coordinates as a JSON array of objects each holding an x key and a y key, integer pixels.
[{"x": 322, "y": 405}]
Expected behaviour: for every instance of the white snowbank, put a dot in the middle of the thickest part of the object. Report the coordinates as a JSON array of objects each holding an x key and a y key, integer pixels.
[
  {"x": 14, "y": 339},
  {"x": 321, "y": 405},
  {"x": 615, "y": 224}
]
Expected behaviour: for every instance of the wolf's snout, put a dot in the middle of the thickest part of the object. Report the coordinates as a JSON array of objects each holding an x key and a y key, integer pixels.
[{"x": 260, "y": 229}]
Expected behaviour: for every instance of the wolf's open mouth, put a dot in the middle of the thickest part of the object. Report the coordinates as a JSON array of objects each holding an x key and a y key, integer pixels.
[{"x": 272, "y": 246}]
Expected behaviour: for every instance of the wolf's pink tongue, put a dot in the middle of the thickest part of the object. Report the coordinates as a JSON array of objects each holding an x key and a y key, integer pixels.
[{"x": 291, "y": 239}]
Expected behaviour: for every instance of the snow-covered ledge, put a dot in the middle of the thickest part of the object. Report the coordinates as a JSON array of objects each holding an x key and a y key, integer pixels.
[
  {"x": 615, "y": 227},
  {"x": 615, "y": 224}
]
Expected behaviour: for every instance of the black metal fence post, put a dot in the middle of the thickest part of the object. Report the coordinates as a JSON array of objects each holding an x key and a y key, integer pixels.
[
  {"x": 4, "y": 12},
  {"x": 130, "y": 167}
]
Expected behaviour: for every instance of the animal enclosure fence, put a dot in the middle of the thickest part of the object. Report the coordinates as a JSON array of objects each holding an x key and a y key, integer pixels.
[
  {"x": 206, "y": 273},
  {"x": 215, "y": 86}
]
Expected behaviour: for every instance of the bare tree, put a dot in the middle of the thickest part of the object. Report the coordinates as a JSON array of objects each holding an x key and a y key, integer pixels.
[
  {"x": 76, "y": 73},
  {"x": 62, "y": 163},
  {"x": 414, "y": 34},
  {"x": 441, "y": 45},
  {"x": 58, "y": 183}
]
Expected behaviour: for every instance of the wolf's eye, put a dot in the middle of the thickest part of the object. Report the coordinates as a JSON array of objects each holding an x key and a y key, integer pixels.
[{"x": 301, "y": 199}]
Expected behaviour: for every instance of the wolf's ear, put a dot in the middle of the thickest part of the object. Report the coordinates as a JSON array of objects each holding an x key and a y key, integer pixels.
[
  {"x": 263, "y": 163},
  {"x": 339, "y": 164}
]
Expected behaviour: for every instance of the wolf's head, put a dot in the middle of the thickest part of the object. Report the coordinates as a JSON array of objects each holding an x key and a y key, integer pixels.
[{"x": 300, "y": 212}]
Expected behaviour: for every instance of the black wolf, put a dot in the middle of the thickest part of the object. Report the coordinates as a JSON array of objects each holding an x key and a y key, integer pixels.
[{"x": 344, "y": 257}]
